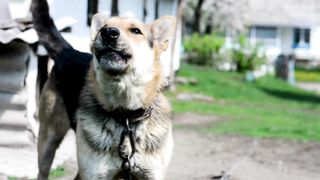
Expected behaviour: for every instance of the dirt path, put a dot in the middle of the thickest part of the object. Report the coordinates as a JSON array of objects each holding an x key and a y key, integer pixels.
[
  {"x": 309, "y": 86},
  {"x": 200, "y": 156}
]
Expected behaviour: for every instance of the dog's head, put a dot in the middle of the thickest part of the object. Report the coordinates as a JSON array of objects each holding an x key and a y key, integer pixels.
[
  {"x": 125, "y": 45},
  {"x": 126, "y": 64}
]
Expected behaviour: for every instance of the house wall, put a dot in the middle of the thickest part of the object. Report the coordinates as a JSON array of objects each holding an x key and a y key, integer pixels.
[
  {"x": 311, "y": 53},
  {"x": 315, "y": 42},
  {"x": 286, "y": 40},
  {"x": 285, "y": 45},
  {"x": 273, "y": 52},
  {"x": 75, "y": 8}
]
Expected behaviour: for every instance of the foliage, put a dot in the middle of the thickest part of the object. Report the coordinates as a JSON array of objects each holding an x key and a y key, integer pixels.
[
  {"x": 203, "y": 49},
  {"x": 267, "y": 108},
  {"x": 245, "y": 55}
]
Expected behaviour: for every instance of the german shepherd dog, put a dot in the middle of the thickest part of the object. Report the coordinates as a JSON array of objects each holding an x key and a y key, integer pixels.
[{"x": 112, "y": 98}]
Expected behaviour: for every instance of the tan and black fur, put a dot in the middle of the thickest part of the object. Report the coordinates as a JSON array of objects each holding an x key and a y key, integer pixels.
[{"x": 93, "y": 93}]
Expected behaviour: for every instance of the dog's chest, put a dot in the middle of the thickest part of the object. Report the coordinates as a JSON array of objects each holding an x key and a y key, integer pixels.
[
  {"x": 105, "y": 140},
  {"x": 99, "y": 140}
]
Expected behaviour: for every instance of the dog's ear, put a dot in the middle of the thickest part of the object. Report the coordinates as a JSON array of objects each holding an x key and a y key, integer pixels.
[
  {"x": 162, "y": 30},
  {"x": 97, "y": 22}
]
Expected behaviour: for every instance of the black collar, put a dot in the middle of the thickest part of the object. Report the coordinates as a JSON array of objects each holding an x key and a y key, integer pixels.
[
  {"x": 133, "y": 116},
  {"x": 122, "y": 115}
]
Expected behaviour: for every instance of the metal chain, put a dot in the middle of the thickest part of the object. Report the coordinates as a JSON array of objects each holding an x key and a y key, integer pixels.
[
  {"x": 128, "y": 132},
  {"x": 126, "y": 164}
]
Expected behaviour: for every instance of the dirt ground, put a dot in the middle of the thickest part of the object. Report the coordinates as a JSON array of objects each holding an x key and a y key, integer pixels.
[{"x": 202, "y": 156}]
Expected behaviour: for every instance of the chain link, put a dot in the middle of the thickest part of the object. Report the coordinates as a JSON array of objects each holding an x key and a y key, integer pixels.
[{"x": 126, "y": 164}]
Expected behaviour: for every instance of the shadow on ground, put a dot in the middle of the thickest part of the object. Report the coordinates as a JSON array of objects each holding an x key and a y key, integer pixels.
[{"x": 310, "y": 98}]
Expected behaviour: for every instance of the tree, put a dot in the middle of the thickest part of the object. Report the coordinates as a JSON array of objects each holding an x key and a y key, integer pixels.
[
  {"x": 225, "y": 14},
  {"x": 197, "y": 16},
  {"x": 212, "y": 15}
]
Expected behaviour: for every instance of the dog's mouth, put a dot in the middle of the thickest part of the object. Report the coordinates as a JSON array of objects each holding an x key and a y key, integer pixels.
[{"x": 114, "y": 62}]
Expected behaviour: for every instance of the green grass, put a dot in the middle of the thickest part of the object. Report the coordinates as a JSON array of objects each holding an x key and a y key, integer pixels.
[
  {"x": 266, "y": 108},
  {"x": 307, "y": 75},
  {"x": 58, "y": 172},
  {"x": 54, "y": 173}
]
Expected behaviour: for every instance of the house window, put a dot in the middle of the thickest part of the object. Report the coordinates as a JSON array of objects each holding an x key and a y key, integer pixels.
[
  {"x": 301, "y": 38},
  {"x": 265, "y": 35}
]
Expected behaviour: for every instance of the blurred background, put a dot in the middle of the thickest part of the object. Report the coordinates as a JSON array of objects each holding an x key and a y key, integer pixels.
[{"x": 244, "y": 85}]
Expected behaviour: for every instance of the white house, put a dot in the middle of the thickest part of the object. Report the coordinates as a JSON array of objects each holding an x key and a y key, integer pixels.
[{"x": 286, "y": 27}]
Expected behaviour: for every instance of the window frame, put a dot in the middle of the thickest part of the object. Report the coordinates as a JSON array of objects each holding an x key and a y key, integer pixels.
[{"x": 301, "y": 38}]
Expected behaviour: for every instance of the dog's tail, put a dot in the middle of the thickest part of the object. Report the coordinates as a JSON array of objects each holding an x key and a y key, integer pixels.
[{"x": 48, "y": 33}]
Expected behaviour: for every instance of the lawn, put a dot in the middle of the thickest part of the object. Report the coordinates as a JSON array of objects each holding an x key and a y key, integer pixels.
[
  {"x": 307, "y": 75},
  {"x": 266, "y": 108}
]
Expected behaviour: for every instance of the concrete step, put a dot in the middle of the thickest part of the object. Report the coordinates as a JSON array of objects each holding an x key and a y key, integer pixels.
[
  {"x": 22, "y": 162},
  {"x": 15, "y": 139},
  {"x": 19, "y": 162},
  {"x": 15, "y": 101},
  {"x": 12, "y": 81},
  {"x": 13, "y": 119}
]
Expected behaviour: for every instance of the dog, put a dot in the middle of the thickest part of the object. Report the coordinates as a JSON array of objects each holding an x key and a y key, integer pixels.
[{"x": 112, "y": 98}]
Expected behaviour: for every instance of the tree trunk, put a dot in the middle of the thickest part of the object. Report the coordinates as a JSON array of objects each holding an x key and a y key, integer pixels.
[
  {"x": 114, "y": 8},
  {"x": 208, "y": 28},
  {"x": 172, "y": 86},
  {"x": 197, "y": 16}
]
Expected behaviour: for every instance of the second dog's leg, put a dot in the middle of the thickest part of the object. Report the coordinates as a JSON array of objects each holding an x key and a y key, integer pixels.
[
  {"x": 48, "y": 142},
  {"x": 54, "y": 124}
]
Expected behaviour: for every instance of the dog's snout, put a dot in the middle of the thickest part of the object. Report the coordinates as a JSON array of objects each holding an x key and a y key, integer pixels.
[{"x": 110, "y": 33}]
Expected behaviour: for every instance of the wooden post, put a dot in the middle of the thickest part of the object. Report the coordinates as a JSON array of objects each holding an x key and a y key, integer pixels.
[
  {"x": 172, "y": 86},
  {"x": 114, "y": 8},
  {"x": 145, "y": 12},
  {"x": 31, "y": 84},
  {"x": 156, "y": 9},
  {"x": 92, "y": 9}
]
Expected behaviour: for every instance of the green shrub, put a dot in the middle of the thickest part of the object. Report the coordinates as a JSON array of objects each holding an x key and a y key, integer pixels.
[
  {"x": 203, "y": 49},
  {"x": 245, "y": 55}
]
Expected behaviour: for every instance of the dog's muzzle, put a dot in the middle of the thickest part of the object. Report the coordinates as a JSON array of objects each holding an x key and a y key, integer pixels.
[{"x": 112, "y": 57}]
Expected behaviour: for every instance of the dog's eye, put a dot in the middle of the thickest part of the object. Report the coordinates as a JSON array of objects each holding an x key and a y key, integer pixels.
[{"x": 135, "y": 31}]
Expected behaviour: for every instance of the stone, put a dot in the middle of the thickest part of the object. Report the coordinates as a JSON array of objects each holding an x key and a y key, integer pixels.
[
  {"x": 194, "y": 97},
  {"x": 186, "y": 80}
]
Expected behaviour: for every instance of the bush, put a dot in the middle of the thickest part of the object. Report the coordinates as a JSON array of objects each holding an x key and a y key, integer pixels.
[
  {"x": 245, "y": 55},
  {"x": 203, "y": 49}
]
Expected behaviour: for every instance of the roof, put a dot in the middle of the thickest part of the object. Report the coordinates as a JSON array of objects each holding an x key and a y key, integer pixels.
[{"x": 297, "y": 13}]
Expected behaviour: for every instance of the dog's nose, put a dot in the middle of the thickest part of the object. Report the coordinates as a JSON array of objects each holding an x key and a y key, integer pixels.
[{"x": 110, "y": 33}]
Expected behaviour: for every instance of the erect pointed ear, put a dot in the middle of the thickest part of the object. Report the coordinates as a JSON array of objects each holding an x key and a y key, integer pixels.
[
  {"x": 97, "y": 22},
  {"x": 162, "y": 30}
]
